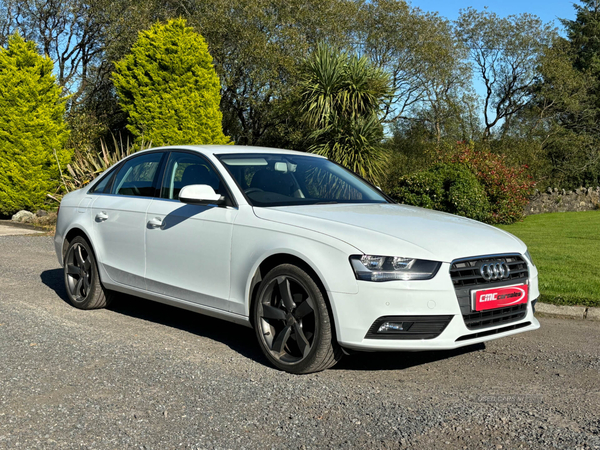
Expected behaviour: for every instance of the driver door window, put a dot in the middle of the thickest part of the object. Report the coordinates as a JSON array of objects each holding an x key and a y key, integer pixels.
[{"x": 184, "y": 169}]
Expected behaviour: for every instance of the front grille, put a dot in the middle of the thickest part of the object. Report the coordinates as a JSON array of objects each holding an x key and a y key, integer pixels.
[
  {"x": 465, "y": 273},
  {"x": 466, "y": 277}
]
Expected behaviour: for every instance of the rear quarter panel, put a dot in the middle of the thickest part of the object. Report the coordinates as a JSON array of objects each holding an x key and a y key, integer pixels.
[{"x": 74, "y": 213}]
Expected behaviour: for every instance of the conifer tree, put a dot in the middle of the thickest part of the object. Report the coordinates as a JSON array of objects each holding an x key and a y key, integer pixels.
[
  {"x": 168, "y": 86},
  {"x": 584, "y": 35},
  {"x": 32, "y": 129}
]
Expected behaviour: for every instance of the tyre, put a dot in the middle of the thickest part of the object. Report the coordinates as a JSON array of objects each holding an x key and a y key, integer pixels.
[
  {"x": 81, "y": 277},
  {"x": 292, "y": 322}
]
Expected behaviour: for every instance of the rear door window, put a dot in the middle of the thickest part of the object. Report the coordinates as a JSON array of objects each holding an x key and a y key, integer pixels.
[
  {"x": 138, "y": 175},
  {"x": 103, "y": 184}
]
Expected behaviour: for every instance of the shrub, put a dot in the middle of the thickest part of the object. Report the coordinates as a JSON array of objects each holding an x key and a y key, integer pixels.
[
  {"x": 32, "y": 129},
  {"x": 472, "y": 183},
  {"x": 445, "y": 187},
  {"x": 169, "y": 87},
  {"x": 508, "y": 189},
  {"x": 87, "y": 164}
]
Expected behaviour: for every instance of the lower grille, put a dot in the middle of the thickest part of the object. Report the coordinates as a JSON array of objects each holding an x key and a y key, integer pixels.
[
  {"x": 493, "y": 317},
  {"x": 414, "y": 327},
  {"x": 494, "y": 331}
]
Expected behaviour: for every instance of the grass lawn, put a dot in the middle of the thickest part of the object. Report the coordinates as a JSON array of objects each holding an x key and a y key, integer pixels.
[{"x": 565, "y": 247}]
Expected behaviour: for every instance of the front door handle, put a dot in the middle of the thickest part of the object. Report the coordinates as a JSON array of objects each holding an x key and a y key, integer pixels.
[
  {"x": 155, "y": 223},
  {"x": 101, "y": 216}
]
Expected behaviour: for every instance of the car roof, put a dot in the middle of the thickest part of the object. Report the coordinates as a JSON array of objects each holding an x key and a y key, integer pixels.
[{"x": 233, "y": 149}]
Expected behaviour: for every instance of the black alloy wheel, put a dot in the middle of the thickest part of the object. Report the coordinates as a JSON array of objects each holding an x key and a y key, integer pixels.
[
  {"x": 292, "y": 322},
  {"x": 82, "y": 281}
]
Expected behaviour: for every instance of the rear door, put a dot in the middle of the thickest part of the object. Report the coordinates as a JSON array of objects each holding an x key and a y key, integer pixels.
[{"x": 120, "y": 219}]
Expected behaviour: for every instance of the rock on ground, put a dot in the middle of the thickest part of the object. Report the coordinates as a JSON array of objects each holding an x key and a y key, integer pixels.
[{"x": 23, "y": 217}]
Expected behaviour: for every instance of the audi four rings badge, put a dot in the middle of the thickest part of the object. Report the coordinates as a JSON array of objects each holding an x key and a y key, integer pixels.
[{"x": 494, "y": 271}]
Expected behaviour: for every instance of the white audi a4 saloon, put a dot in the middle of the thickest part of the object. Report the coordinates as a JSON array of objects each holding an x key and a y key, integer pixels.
[{"x": 316, "y": 260}]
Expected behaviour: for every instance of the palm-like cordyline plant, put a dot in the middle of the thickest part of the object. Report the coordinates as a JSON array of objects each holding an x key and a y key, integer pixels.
[
  {"x": 341, "y": 99},
  {"x": 87, "y": 164},
  {"x": 353, "y": 144}
]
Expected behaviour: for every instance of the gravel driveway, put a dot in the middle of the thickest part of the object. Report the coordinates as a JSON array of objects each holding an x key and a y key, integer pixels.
[{"x": 144, "y": 375}]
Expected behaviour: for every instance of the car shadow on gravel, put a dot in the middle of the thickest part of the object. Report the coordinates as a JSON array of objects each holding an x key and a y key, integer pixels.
[
  {"x": 242, "y": 339},
  {"x": 400, "y": 360},
  {"x": 239, "y": 338},
  {"x": 54, "y": 280}
]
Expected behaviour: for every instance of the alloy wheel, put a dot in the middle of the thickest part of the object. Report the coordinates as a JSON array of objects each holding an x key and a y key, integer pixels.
[
  {"x": 79, "y": 272},
  {"x": 287, "y": 320}
]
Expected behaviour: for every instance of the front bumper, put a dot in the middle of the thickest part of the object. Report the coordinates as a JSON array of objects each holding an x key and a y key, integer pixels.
[{"x": 354, "y": 314}]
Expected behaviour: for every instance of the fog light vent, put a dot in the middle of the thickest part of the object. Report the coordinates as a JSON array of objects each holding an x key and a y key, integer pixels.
[{"x": 408, "y": 327}]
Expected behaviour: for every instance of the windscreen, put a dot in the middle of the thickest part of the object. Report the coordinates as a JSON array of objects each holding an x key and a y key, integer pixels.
[{"x": 284, "y": 180}]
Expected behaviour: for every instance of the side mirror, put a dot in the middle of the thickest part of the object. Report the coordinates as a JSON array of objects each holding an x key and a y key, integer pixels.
[{"x": 200, "y": 194}]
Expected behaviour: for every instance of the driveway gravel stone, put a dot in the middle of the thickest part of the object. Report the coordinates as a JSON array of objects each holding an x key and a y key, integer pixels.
[{"x": 141, "y": 375}]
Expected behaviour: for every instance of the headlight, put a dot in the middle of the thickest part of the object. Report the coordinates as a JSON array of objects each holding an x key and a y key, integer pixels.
[
  {"x": 528, "y": 256},
  {"x": 388, "y": 268}
]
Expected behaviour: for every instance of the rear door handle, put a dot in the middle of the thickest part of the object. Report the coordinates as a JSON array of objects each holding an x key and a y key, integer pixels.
[
  {"x": 101, "y": 216},
  {"x": 155, "y": 223}
]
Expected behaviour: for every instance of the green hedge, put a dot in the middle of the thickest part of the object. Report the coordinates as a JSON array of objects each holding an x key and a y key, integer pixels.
[{"x": 445, "y": 187}]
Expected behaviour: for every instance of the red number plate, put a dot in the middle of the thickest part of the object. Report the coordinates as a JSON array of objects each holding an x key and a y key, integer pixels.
[{"x": 500, "y": 297}]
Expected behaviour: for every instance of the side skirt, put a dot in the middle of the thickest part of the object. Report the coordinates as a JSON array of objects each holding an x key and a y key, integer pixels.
[{"x": 201, "y": 309}]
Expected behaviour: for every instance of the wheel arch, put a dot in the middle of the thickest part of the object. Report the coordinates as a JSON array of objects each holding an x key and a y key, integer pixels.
[
  {"x": 72, "y": 234},
  {"x": 276, "y": 259}
]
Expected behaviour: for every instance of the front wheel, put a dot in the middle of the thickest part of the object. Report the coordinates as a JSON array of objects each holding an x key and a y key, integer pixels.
[
  {"x": 81, "y": 277},
  {"x": 292, "y": 323}
]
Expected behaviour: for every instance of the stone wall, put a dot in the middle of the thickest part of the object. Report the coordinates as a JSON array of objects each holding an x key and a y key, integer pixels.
[{"x": 559, "y": 200}]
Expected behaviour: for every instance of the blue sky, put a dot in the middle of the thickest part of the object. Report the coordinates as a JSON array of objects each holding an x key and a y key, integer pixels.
[{"x": 547, "y": 10}]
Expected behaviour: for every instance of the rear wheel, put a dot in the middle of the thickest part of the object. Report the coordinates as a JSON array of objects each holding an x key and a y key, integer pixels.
[
  {"x": 81, "y": 277},
  {"x": 292, "y": 323}
]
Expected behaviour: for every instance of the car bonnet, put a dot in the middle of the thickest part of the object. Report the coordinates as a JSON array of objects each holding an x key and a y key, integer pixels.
[{"x": 398, "y": 230}]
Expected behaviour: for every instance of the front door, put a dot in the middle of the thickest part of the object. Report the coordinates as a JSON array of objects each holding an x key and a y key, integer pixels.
[{"x": 188, "y": 247}]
